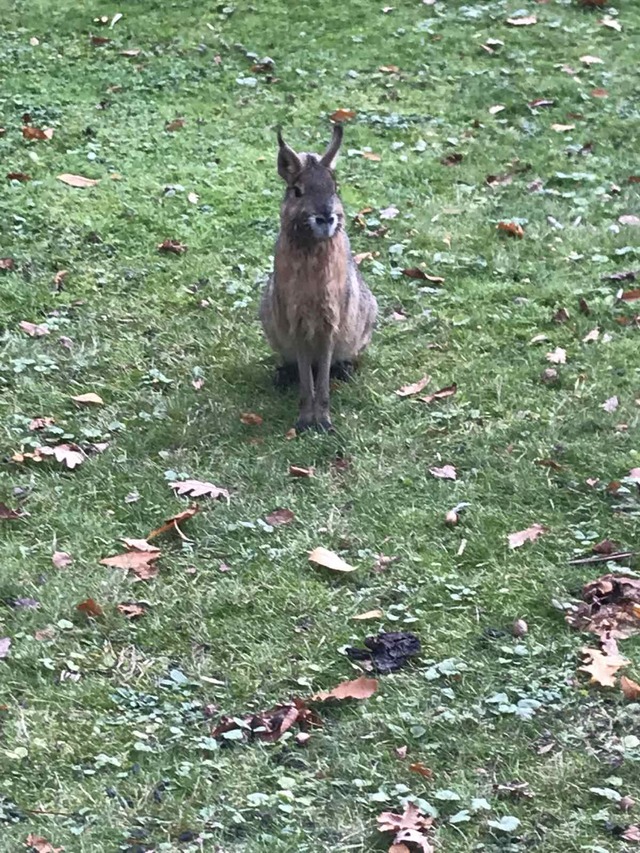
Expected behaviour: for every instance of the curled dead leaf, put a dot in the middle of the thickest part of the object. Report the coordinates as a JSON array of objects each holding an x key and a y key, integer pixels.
[
  {"x": 419, "y": 768},
  {"x": 414, "y": 387},
  {"x": 18, "y": 176},
  {"x": 199, "y": 489},
  {"x": 416, "y": 272},
  {"x": 34, "y": 330},
  {"x": 90, "y": 607},
  {"x": 299, "y": 471},
  {"x": 32, "y": 133},
  {"x": 250, "y": 419},
  {"x": 174, "y": 522},
  {"x": 448, "y": 391},
  {"x": 342, "y": 115},
  {"x": 358, "y": 688},
  {"x": 131, "y": 610},
  {"x": 522, "y": 21},
  {"x": 530, "y": 534},
  {"x": 513, "y": 229},
  {"x": 370, "y": 614},
  {"x": 174, "y": 247},
  {"x": 329, "y": 560}
]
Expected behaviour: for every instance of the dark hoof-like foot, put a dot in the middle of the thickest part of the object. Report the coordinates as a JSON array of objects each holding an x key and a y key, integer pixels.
[
  {"x": 304, "y": 423},
  {"x": 343, "y": 370},
  {"x": 286, "y": 375},
  {"x": 324, "y": 425}
]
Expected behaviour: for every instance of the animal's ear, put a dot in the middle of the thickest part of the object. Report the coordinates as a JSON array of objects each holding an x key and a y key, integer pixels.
[
  {"x": 330, "y": 156},
  {"x": 289, "y": 165}
]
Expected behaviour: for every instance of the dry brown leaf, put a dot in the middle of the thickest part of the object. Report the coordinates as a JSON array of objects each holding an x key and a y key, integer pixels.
[
  {"x": 130, "y": 610},
  {"x": 602, "y": 667},
  {"x": 90, "y": 607},
  {"x": 8, "y": 514},
  {"x": 99, "y": 40},
  {"x": 448, "y": 391},
  {"x": 359, "y": 688},
  {"x": 631, "y": 689},
  {"x": 369, "y": 155},
  {"x": 370, "y": 614},
  {"x": 78, "y": 181},
  {"x": 411, "y": 818},
  {"x": 513, "y": 229},
  {"x": 630, "y": 295},
  {"x": 32, "y": 133},
  {"x": 174, "y": 522},
  {"x": 90, "y": 398},
  {"x": 414, "y": 388},
  {"x": 174, "y": 125},
  {"x": 517, "y": 540},
  {"x": 172, "y": 246},
  {"x": 329, "y": 560},
  {"x": 140, "y": 545},
  {"x": 18, "y": 176},
  {"x": 363, "y": 256},
  {"x": 419, "y": 767},
  {"x": 447, "y": 472},
  {"x": 342, "y": 115},
  {"x": 522, "y": 21},
  {"x": 138, "y": 562},
  {"x": 7, "y": 264},
  {"x": 41, "y": 845},
  {"x": 558, "y": 356},
  {"x": 416, "y": 272},
  {"x": 131, "y": 52},
  {"x": 599, "y": 93},
  {"x": 61, "y": 559},
  {"x": 279, "y": 517},
  {"x": 250, "y": 419},
  {"x": 562, "y": 128},
  {"x": 69, "y": 455},
  {"x": 299, "y": 471},
  {"x": 199, "y": 489},
  {"x": 34, "y": 330}
]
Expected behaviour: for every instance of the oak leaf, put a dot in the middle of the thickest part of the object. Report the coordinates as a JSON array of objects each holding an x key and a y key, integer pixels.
[
  {"x": 602, "y": 667},
  {"x": 199, "y": 489}
]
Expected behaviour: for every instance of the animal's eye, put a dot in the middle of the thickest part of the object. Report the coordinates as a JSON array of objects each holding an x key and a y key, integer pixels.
[{"x": 297, "y": 192}]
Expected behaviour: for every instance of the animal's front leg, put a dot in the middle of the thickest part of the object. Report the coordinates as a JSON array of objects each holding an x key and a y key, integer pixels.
[
  {"x": 321, "y": 402},
  {"x": 305, "y": 371}
]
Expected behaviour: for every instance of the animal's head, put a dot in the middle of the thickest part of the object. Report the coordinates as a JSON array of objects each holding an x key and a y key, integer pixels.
[{"x": 311, "y": 208}]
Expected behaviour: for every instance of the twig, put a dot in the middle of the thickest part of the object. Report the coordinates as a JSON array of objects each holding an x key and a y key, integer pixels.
[{"x": 602, "y": 558}]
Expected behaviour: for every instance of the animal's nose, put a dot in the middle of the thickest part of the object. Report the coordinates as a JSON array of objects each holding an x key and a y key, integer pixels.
[{"x": 328, "y": 220}]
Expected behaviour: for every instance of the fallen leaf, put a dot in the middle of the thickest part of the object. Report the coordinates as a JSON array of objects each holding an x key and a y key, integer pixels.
[
  {"x": 496, "y": 108},
  {"x": 537, "y": 103},
  {"x": 131, "y": 52},
  {"x": 411, "y": 819},
  {"x": 631, "y": 689},
  {"x": 599, "y": 93},
  {"x": 172, "y": 246},
  {"x": 250, "y": 419},
  {"x": 199, "y": 489},
  {"x": 630, "y": 295},
  {"x": 416, "y": 272},
  {"x": 99, "y": 40},
  {"x": 140, "y": 545},
  {"x": 631, "y": 833},
  {"x": 386, "y": 652},
  {"x": 370, "y": 614},
  {"x": 5, "y": 645},
  {"x": 593, "y": 335},
  {"x": 329, "y": 560},
  {"x": 452, "y": 159},
  {"x": 363, "y": 256},
  {"x": 389, "y": 212},
  {"x": 400, "y": 848},
  {"x": 89, "y": 398},
  {"x": 448, "y": 391},
  {"x": 69, "y": 455},
  {"x": 602, "y": 667},
  {"x": 369, "y": 155},
  {"x": 61, "y": 559},
  {"x": 174, "y": 522},
  {"x": 612, "y": 23},
  {"x": 611, "y": 404},
  {"x": 549, "y": 463},
  {"x": 414, "y": 388},
  {"x": 279, "y": 517},
  {"x": 591, "y": 60},
  {"x": 499, "y": 180},
  {"x": 34, "y": 330},
  {"x": 513, "y": 229},
  {"x": 141, "y": 563},
  {"x": 447, "y": 472},
  {"x": 383, "y": 562},
  {"x": 558, "y": 356},
  {"x": 33, "y": 133},
  {"x": 522, "y": 21},
  {"x": 419, "y": 767},
  {"x": 90, "y": 607},
  {"x": 41, "y": 845},
  {"x": 268, "y": 725},
  {"x": 18, "y": 176},
  {"x": 561, "y": 315},
  {"x": 517, "y": 540},
  {"x": 629, "y": 219},
  {"x": 592, "y": 481},
  {"x": 562, "y": 128},
  {"x": 389, "y": 69},
  {"x": 130, "y": 610},
  {"x": 193, "y": 198},
  {"x": 341, "y": 115},
  {"x": 7, "y": 264},
  {"x": 299, "y": 471},
  {"x": 174, "y": 125},
  {"x": 8, "y": 514},
  {"x": 359, "y": 688},
  {"x": 78, "y": 181}
]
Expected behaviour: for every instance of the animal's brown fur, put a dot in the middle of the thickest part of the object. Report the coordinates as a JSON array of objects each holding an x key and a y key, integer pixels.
[{"x": 316, "y": 309}]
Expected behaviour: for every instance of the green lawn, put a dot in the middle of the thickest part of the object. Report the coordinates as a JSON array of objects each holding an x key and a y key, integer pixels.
[{"x": 105, "y": 723}]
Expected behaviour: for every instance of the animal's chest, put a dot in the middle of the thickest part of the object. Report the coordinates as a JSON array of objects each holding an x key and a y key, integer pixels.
[{"x": 311, "y": 292}]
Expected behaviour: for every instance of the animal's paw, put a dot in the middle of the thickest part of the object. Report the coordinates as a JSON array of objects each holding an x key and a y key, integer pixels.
[
  {"x": 325, "y": 425},
  {"x": 343, "y": 370},
  {"x": 304, "y": 423}
]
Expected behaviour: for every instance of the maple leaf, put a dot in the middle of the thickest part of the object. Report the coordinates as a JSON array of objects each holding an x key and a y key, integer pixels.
[
  {"x": 89, "y": 398},
  {"x": 9, "y": 514},
  {"x": 174, "y": 522},
  {"x": 299, "y": 471},
  {"x": 513, "y": 229},
  {"x": 34, "y": 330},
  {"x": 416, "y": 272},
  {"x": 172, "y": 246},
  {"x": 631, "y": 689},
  {"x": 447, "y": 472},
  {"x": 90, "y": 607},
  {"x": 342, "y": 115},
  {"x": 329, "y": 560},
  {"x": 414, "y": 388},
  {"x": 358, "y": 688},
  {"x": 530, "y": 534},
  {"x": 602, "y": 667},
  {"x": 69, "y": 455},
  {"x": 141, "y": 563},
  {"x": 279, "y": 517},
  {"x": 33, "y": 133},
  {"x": 250, "y": 419},
  {"x": 448, "y": 391},
  {"x": 61, "y": 559},
  {"x": 77, "y": 181},
  {"x": 199, "y": 489},
  {"x": 130, "y": 610},
  {"x": 558, "y": 356}
]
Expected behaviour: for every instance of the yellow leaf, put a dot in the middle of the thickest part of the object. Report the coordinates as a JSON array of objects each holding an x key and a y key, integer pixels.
[{"x": 329, "y": 560}]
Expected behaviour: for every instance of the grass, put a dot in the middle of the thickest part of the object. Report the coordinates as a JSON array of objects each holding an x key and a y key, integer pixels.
[{"x": 119, "y": 758}]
